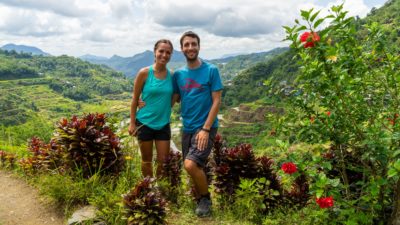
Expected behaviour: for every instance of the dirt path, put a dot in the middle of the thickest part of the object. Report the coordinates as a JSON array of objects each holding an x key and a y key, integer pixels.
[{"x": 20, "y": 204}]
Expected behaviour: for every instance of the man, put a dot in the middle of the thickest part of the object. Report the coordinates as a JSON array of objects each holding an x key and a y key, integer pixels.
[{"x": 199, "y": 87}]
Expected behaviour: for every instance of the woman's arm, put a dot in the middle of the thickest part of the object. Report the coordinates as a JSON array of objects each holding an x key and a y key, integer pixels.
[{"x": 137, "y": 91}]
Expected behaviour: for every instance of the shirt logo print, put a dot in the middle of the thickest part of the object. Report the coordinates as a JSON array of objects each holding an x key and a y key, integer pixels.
[{"x": 191, "y": 84}]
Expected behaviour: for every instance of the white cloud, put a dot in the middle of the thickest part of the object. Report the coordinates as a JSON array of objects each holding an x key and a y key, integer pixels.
[
  {"x": 62, "y": 7},
  {"x": 127, "y": 27}
]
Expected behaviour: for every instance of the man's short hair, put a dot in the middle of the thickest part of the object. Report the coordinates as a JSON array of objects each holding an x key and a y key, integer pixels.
[{"x": 190, "y": 34}]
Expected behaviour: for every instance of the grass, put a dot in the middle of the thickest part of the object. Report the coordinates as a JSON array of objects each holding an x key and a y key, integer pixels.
[{"x": 105, "y": 193}]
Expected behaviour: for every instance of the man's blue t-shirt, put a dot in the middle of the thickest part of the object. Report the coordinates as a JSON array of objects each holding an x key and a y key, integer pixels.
[{"x": 195, "y": 87}]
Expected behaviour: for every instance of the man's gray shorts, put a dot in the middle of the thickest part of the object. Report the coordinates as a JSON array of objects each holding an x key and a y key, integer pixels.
[{"x": 190, "y": 150}]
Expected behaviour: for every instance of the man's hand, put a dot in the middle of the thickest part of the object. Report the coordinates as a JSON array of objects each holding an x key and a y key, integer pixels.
[
  {"x": 141, "y": 103},
  {"x": 202, "y": 140}
]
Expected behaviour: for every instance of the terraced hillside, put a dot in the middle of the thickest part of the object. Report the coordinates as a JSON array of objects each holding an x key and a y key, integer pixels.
[{"x": 61, "y": 87}]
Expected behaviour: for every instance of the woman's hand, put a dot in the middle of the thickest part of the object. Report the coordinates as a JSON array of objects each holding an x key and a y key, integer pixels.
[{"x": 132, "y": 129}]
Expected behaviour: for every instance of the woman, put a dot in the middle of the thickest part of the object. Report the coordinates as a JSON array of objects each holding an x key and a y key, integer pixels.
[{"x": 151, "y": 123}]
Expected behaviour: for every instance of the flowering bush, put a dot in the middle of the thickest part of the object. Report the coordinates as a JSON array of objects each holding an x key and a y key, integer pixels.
[{"x": 346, "y": 95}]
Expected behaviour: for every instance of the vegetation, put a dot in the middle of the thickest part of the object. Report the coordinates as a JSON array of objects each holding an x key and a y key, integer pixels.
[
  {"x": 332, "y": 157},
  {"x": 347, "y": 97}
]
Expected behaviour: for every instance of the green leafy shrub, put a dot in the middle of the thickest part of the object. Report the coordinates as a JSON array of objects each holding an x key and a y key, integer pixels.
[{"x": 347, "y": 95}]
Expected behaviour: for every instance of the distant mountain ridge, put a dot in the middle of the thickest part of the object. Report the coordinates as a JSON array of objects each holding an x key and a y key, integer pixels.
[
  {"x": 131, "y": 65},
  {"x": 229, "y": 66},
  {"x": 24, "y": 49}
]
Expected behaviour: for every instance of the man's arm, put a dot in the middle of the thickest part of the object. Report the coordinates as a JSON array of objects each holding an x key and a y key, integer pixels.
[{"x": 202, "y": 136}]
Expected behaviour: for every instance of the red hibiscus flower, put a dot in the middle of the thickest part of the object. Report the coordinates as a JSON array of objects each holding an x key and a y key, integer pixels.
[
  {"x": 309, "y": 39},
  {"x": 328, "y": 113},
  {"x": 289, "y": 167},
  {"x": 325, "y": 202}
]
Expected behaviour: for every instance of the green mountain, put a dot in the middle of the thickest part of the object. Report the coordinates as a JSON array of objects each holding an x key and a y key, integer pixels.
[
  {"x": 24, "y": 49},
  {"x": 230, "y": 67},
  {"x": 388, "y": 17},
  {"x": 131, "y": 65},
  {"x": 249, "y": 85},
  {"x": 50, "y": 87}
]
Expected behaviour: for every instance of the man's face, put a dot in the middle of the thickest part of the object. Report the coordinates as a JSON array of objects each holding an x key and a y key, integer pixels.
[{"x": 190, "y": 48}]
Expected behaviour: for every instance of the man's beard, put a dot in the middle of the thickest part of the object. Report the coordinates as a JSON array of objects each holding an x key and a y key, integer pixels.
[{"x": 191, "y": 59}]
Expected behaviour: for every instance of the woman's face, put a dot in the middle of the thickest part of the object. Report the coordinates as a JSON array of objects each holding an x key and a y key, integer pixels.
[{"x": 163, "y": 53}]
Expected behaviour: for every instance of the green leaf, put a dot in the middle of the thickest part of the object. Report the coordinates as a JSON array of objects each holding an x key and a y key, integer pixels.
[
  {"x": 314, "y": 16},
  {"x": 305, "y": 14},
  {"x": 319, "y": 193},
  {"x": 301, "y": 28},
  {"x": 327, "y": 165},
  {"x": 318, "y": 22},
  {"x": 335, "y": 182},
  {"x": 396, "y": 153},
  {"x": 288, "y": 29},
  {"x": 397, "y": 165},
  {"x": 392, "y": 172},
  {"x": 275, "y": 193}
]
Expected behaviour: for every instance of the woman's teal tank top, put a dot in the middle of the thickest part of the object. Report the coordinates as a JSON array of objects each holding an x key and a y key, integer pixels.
[{"x": 157, "y": 95}]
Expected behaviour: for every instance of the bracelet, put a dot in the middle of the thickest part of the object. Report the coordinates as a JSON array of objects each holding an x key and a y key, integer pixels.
[{"x": 206, "y": 130}]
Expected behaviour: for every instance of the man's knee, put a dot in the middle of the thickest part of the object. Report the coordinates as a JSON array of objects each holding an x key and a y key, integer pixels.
[{"x": 190, "y": 165}]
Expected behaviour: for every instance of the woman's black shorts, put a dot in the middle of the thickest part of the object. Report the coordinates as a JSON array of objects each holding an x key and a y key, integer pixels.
[{"x": 146, "y": 133}]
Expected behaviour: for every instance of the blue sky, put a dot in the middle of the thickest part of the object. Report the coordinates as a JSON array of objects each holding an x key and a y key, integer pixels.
[{"x": 128, "y": 27}]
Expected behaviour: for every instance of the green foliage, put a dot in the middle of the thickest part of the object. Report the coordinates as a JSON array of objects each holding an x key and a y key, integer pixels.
[
  {"x": 230, "y": 67},
  {"x": 25, "y": 79},
  {"x": 389, "y": 21},
  {"x": 347, "y": 95},
  {"x": 249, "y": 85},
  {"x": 20, "y": 134}
]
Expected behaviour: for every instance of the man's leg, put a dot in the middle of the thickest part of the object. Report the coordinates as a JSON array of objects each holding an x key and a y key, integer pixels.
[
  {"x": 198, "y": 176},
  {"x": 195, "y": 161}
]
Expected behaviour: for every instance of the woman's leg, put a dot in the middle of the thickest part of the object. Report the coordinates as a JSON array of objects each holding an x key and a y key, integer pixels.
[
  {"x": 146, "y": 148},
  {"x": 163, "y": 148}
]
